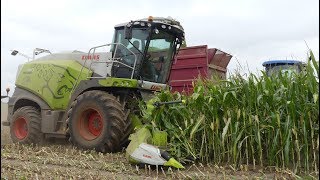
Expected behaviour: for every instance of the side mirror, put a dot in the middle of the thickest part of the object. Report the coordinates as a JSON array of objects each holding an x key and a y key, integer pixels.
[{"x": 128, "y": 31}]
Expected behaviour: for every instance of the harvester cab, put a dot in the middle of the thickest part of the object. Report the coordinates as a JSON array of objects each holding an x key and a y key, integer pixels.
[
  {"x": 273, "y": 67},
  {"x": 144, "y": 50}
]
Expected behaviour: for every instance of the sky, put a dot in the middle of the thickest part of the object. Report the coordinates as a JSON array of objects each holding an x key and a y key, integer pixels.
[{"x": 253, "y": 31}]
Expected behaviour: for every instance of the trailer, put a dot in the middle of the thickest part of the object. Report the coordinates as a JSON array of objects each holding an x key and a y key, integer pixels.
[{"x": 194, "y": 62}]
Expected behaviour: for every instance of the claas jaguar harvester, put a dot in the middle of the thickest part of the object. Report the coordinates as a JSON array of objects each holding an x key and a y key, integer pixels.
[{"x": 88, "y": 96}]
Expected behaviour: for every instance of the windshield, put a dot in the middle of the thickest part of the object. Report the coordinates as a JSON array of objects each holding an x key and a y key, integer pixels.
[
  {"x": 137, "y": 44},
  {"x": 285, "y": 68},
  {"x": 128, "y": 50},
  {"x": 157, "y": 62},
  {"x": 156, "y": 66}
]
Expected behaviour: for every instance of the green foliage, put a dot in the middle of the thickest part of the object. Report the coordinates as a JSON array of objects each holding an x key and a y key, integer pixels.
[{"x": 269, "y": 121}]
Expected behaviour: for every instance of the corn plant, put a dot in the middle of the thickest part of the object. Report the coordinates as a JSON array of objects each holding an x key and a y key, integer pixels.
[{"x": 265, "y": 121}]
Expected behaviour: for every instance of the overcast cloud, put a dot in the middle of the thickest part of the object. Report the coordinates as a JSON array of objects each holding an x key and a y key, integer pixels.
[{"x": 251, "y": 30}]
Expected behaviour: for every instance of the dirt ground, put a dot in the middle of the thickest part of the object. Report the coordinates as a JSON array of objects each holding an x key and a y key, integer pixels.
[{"x": 60, "y": 160}]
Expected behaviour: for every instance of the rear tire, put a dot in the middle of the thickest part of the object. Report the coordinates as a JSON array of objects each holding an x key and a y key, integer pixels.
[
  {"x": 96, "y": 120},
  {"x": 25, "y": 127}
]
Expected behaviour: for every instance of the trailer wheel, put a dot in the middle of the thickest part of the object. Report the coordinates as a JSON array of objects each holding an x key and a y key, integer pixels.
[
  {"x": 25, "y": 127},
  {"x": 96, "y": 120}
]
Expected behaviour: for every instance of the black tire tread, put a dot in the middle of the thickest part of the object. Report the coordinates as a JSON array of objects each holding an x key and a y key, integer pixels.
[
  {"x": 111, "y": 139},
  {"x": 33, "y": 118}
]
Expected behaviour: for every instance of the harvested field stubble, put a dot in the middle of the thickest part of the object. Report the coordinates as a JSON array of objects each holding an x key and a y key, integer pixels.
[{"x": 66, "y": 162}]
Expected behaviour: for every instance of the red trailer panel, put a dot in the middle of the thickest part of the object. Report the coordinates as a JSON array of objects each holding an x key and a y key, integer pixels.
[{"x": 197, "y": 61}]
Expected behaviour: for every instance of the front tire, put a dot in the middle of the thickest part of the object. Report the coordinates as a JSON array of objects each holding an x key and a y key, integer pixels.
[
  {"x": 96, "y": 120},
  {"x": 25, "y": 127}
]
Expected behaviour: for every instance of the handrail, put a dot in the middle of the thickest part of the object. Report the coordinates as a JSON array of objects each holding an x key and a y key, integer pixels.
[{"x": 112, "y": 60}]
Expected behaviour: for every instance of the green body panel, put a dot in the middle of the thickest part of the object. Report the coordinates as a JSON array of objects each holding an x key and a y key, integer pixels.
[
  {"x": 174, "y": 163},
  {"x": 159, "y": 138},
  {"x": 119, "y": 82},
  {"x": 142, "y": 135},
  {"x": 135, "y": 121},
  {"x": 52, "y": 80}
]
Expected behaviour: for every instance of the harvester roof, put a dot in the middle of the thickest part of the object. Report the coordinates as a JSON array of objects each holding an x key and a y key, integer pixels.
[
  {"x": 167, "y": 21},
  {"x": 281, "y": 62}
]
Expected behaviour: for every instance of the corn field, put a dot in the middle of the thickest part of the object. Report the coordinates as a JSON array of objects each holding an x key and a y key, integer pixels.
[{"x": 259, "y": 121}]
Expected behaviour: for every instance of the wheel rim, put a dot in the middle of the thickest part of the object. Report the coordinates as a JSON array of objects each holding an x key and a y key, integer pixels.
[
  {"x": 90, "y": 124},
  {"x": 21, "y": 128}
]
